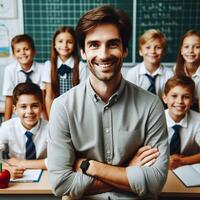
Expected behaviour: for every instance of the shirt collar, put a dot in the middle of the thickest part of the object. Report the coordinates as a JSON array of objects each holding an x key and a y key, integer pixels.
[
  {"x": 114, "y": 98},
  {"x": 19, "y": 68},
  {"x": 171, "y": 122},
  {"x": 197, "y": 73},
  {"x": 143, "y": 70},
  {"x": 34, "y": 130},
  {"x": 69, "y": 62}
]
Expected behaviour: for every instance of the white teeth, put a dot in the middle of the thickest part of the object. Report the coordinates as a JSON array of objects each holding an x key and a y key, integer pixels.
[{"x": 104, "y": 65}]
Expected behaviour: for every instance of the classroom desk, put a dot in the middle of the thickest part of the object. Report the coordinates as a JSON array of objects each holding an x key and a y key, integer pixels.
[
  {"x": 29, "y": 191},
  {"x": 175, "y": 189}
]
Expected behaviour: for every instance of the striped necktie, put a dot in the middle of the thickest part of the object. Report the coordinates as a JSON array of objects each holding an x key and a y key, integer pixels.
[
  {"x": 152, "y": 79},
  {"x": 175, "y": 144},
  {"x": 30, "y": 147},
  {"x": 28, "y": 74}
]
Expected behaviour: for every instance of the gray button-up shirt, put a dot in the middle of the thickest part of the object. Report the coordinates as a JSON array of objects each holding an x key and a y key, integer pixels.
[{"x": 82, "y": 125}]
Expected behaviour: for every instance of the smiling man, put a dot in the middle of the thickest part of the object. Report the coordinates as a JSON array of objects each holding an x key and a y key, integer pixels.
[{"x": 97, "y": 127}]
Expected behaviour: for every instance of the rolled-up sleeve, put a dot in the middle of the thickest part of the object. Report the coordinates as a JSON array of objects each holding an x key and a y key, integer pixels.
[
  {"x": 150, "y": 180},
  {"x": 61, "y": 156}
]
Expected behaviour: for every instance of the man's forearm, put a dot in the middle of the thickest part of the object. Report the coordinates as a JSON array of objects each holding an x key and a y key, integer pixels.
[
  {"x": 115, "y": 176},
  {"x": 98, "y": 186}
]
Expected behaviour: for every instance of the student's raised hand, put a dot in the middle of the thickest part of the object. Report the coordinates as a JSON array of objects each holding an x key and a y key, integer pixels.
[
  {"x": 145, "y": 156},
  {"x": 175, "y": 161}
]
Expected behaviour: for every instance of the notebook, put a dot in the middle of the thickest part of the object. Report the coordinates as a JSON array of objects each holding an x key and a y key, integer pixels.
[
  {"x": 30, "y": 175},
  {"x": 189, "y": 175}
]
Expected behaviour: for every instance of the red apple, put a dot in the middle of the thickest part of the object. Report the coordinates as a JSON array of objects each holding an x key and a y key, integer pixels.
[{"x": 4, "y": 177}]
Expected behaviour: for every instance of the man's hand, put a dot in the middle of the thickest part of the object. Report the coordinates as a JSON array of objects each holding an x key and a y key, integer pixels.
[
  {"x": 175, "y": 161},
  {"x": 145, "y": 156}
]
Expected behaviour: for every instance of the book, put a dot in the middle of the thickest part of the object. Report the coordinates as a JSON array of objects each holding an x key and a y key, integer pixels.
[
  {"x": 189, "y": 175},
  {"x": 30, "y": 175}
]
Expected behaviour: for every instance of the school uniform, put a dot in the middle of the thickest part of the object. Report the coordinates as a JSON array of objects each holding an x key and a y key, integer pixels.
[
  {"x": 65, "y": 81},
  {"x": 196, "y": 78},
  {"x": 13, "y": 75},
  {"x": 137, "y": 75},
  {"x": 189, "y": 132},
  {"x": 12, "y": 132}
]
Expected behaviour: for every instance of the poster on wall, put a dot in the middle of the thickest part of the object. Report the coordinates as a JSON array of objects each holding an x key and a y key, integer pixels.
[{"x": 8, "y": 28}]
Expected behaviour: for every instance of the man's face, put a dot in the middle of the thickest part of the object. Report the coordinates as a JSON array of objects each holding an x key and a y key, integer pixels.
[{"x": 104, "y": 53}]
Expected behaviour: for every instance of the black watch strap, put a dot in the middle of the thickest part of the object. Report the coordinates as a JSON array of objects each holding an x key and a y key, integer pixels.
[{"x": 85, "y": 165}]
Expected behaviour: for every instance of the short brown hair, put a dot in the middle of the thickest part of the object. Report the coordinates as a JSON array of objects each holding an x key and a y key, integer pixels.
[
  {"x": 22, "y": 38},
  {"x": 180, "y": 80},
  {"x": 26, "y": 88},
  {"x": 152, "y": 34},
  {"x": 102, "y": 15}
]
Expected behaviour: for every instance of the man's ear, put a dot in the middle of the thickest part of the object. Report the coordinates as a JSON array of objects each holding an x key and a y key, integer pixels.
[
  {"x": 125, "y": 53},
  {"x": 14, "y": 109},
  {"x": 83, "y": 54}
]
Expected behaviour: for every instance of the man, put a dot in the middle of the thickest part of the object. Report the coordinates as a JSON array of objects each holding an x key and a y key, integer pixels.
[{"x": 97, "y": 127}]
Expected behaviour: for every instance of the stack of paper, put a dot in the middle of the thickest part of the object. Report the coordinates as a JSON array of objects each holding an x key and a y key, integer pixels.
[
  {"x": 189, "y": 174},
  {"x": 30, "y": 175}
]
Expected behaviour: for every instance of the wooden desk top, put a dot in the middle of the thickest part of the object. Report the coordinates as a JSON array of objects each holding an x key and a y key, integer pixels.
[
  {"x": 42, "y": 187},
  {"x": 174, "y": 187}
]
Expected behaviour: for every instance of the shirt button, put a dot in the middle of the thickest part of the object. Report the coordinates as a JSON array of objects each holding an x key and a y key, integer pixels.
[{"x": 107, "y": 130}]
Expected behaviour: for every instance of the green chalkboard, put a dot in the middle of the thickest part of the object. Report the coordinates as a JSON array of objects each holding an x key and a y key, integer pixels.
[
  {"x": 172, "y": 17},
  {"x": 43, "y": 17}
]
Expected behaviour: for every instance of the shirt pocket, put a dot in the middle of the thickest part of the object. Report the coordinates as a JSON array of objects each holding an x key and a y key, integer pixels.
[{"x": 129, "y": 142}]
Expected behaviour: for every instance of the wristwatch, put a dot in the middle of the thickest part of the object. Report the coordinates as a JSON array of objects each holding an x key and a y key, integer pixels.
[{"x": 85, "y": 165}]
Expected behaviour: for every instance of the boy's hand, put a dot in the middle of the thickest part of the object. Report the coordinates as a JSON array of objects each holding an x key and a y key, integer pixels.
[
  {"x": 145, "y": 156},
  {"x": 175, "y": 161},
  {"x": 16, "y": 162},
  {"x": 16, "y": 172}
]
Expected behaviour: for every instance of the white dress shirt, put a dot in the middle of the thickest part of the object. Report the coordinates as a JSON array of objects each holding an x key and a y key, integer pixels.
[
  {"x": 13, "y": 75},
  {"x": 83, "y": 72},
  {"x": 137, "y": 76},
  {"x": 189, "y": 132},
  {"x": 12, "y": 132}
]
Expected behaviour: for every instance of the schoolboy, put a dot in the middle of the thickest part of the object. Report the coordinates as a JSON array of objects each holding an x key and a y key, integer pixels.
[
  {"x": 183, "y": 123},
  {"x": 151, "y": 75},
  {"x": 97, "y": 127},
  {"x": 26, "y": 134},
  {"x": 24, "y": 69}
]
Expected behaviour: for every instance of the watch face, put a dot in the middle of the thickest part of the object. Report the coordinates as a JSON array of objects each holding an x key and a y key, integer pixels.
[{"x": 85, "y": 165}]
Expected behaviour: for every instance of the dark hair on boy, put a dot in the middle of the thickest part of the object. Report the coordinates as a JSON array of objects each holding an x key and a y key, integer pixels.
[
  {"x": 180, "y": 80},
  {"x": 22, "y": 38},
  {"x": 102, "y": 15},
  {"x": 27, "y": 88}
]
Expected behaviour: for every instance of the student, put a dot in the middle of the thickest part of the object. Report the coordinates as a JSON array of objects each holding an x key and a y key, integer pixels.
[
  {"x": 188, "y": 62},
  {"x": 24, "y": 69},
  {"x": 150, "y": 74},
  {"x": 97, "y": 127},
  {"x": 26, "y": 134},
  {"x": 183, "y": 124},
  {"x": 64, "y": 64}
]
